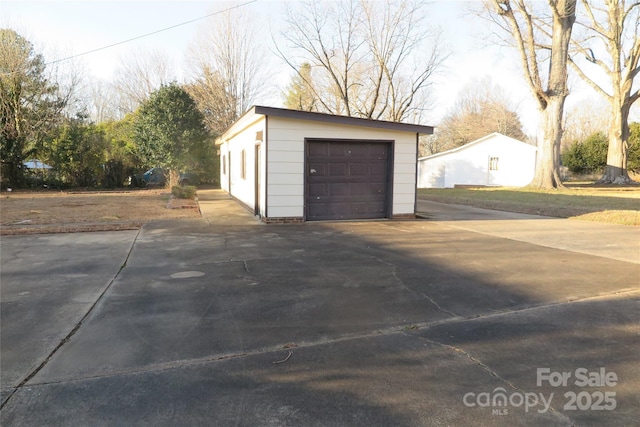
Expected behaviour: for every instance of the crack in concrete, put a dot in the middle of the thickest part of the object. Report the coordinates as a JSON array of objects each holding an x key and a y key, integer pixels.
[
  {"x": 230, "y": 260},
  {"x": 550, "y": 305},
  {"x": 394, "y": 273},
  {"x": 75, "y": 329},
  {"x": 495, "y": 374},
  {"x": 177, "y": 364}
]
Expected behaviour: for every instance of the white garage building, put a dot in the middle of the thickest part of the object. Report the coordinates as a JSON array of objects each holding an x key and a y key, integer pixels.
[
  {"x": 294, "y": 166},
  {"x": 494, "y": 160}
]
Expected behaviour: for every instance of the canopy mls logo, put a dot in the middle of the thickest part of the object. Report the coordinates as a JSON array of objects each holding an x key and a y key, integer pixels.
[{"x": 499, "y": 400}]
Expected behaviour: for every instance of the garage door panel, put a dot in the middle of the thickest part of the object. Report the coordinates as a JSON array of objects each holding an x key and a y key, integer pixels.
[
  {"x": 368, "y": 208},
  {"x": 317, "y": 190},
  {"x": 379, "y": 151},
  {"x": 359, "y": 150},
  {"x": 379, "y": 188},
  {"x": 359, "y": 208},
  {"x": 340, "y": 210},
  {"x": 338, "y": 189},
  {"x": 356, "y": 181},
  {"x": 346, "y": 210},
  {"x": 337, "y": 169},
  {"x": 360, "y": 189},
  {"x": 317, "y": 210},
  {"x": 336, "y": 149},
  {"x": 317, "y": 169},
  {"x": 317, "y": 150},
  {"x": 378, "y": 169},
  {"x": 358, "y": 169}
]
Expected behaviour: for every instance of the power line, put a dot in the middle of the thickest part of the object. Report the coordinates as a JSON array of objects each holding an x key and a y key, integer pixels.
[{"x": 151, "y": 33}]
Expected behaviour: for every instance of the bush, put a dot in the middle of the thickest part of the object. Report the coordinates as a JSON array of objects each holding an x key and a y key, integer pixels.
[
  {"x": 186, "y": 192},
  {"x": 588, "y": 156},
  {"x": 633, "y": 155},
  {"x": 113, "y": 174}
]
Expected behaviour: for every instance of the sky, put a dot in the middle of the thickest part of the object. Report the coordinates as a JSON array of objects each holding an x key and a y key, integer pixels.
[{"x": 60, "y": 29}]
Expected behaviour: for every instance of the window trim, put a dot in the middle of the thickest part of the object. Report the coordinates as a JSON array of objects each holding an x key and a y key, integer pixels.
[
  {"x": 493, "y": 163},
  {"x": 243, "y": 164}
]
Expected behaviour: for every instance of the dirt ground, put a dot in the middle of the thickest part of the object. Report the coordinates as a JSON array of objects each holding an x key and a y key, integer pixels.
[{"x": 47, "y": 212}]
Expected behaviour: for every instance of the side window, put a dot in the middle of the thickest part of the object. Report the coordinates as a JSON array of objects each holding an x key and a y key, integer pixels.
[
  {"x": 243, "y": 164},
  {"x": 493, "y": 163},
  {"x": 224, "y": 164}
]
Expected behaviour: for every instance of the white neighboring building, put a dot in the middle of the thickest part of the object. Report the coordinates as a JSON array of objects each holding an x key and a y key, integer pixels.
[{"x": 494, "y": 160}]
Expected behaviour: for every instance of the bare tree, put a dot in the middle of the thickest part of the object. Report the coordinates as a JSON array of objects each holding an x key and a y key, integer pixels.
[
  {"x": 584, "y": 120},
  {"x": 615, "y": 27},
  {"x": 139, "y": 75},
  {"x": 395, "y": 32},
  {"x": 363, "y": 52},
  {"x": 103, "y": 102},
  {"x": 218, "y": 106},
  {"x": 229, "y": 67},
  {"x": 326, "y": 34},
  {"x": 482, "y": 108},
  {"x": 541, "y": 36}
]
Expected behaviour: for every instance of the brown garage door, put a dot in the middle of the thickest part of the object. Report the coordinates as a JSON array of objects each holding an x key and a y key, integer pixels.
[{"x": 347, "y": 179}]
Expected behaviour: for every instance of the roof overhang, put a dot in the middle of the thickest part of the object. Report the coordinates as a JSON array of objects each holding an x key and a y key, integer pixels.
[{"x": 327, "y": 118}]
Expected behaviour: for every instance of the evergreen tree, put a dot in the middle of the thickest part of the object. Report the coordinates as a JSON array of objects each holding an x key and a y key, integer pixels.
[
  {"x": 169, "y": 130},
  {"x": 300, "y": 94}
]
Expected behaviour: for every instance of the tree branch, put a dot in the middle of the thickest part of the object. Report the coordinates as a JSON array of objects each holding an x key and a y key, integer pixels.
[
  {"x": 526, "y": 47},
  {"x": 588, "y": 80}
]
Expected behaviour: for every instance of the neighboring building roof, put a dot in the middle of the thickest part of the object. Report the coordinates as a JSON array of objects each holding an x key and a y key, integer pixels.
[
  {"x": 330, "y": 118},
  {"x": 477, "y": 141}
]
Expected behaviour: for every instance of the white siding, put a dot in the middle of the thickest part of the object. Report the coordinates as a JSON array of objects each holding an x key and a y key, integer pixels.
[
  {"x": 469, "y": 165},
  {"x": 286, "y": 162},
  {"x": 431, "y": 172},
  {"x": 243, "y": 188}
]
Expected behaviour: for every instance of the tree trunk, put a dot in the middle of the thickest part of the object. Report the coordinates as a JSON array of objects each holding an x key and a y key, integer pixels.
[
  {"x": 548, "y": 142},
  {"x": 174, "y": 177},
  {"x": 616, "y": 171},
  {"x": 551, "y": 102}
]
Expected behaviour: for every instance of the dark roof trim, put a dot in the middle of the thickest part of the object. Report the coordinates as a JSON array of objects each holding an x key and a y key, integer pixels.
[{"x": 342, "y": 120}]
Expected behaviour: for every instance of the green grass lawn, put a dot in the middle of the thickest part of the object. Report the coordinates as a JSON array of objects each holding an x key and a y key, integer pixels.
[{"x": 619, "y": 205}]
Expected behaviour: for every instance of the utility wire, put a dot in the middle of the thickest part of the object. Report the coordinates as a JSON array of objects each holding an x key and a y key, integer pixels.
[{"x": 151, "y": 33}]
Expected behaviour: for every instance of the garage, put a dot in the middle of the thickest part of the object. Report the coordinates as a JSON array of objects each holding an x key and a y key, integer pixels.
[
  {"x": 347, "y": 179},
  {"x": 289, "y": 166}
]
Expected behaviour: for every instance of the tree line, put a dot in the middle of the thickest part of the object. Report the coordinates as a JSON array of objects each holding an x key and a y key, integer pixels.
[
  {"x": 166, "y": 129},
  {"x": 363, "y": 58}
]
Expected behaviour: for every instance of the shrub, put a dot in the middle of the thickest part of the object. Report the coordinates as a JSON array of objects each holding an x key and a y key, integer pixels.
[
  {"x": 588, "y": 156},
  {"x": 113, "y": 174},
  {"x": 633, "y": 155},
  {"x": 185, "y": 192}
]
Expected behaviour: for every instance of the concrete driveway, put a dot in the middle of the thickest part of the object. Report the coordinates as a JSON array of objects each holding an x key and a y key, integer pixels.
[{"x": 227, "y": 321}]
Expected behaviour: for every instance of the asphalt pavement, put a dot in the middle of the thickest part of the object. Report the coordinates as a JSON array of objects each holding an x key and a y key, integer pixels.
[{"x": 456, "y": 320}]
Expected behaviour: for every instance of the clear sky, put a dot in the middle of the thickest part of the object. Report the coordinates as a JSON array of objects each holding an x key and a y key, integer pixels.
[{"x": 62, "y": 28}]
